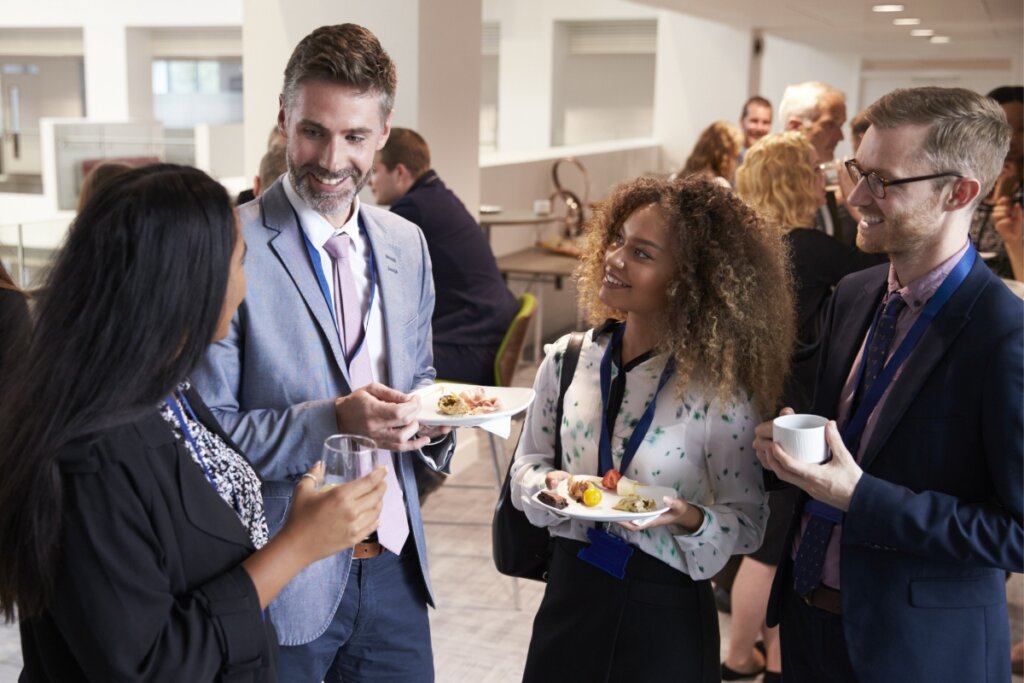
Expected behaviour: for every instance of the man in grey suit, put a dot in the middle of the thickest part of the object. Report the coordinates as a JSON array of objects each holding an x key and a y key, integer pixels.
[{"x": 332, "y": 339}]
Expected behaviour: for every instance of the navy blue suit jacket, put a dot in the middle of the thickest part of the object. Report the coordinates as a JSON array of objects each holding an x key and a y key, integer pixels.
[
  {"x": 938, "y": 517},
  {"x": 472, "y": 305}
]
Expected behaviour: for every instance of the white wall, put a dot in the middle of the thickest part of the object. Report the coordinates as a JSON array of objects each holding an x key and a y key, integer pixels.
[
  {"x": 784, "y": 62},
  {"x": 702, "y": 76}
]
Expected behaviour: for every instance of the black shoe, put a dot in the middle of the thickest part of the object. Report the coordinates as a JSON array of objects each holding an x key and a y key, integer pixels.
[{"x": 723, "y": 600}]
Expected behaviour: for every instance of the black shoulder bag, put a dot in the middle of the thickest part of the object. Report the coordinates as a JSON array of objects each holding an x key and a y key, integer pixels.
[{"x": 521, "y": 549}]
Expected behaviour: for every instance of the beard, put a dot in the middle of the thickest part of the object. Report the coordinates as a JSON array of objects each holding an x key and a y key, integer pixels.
[
  {"x": 327, "y": 203},
  {"x": 903, "y": 232}
]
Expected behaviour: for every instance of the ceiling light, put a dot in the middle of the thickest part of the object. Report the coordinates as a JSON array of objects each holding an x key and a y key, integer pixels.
[
  {"x": 906, "y": 22},
  {"x": 887, "y": 8},
  {"x": 939, "y": 39},
  {"x": 922, "y": 32}
]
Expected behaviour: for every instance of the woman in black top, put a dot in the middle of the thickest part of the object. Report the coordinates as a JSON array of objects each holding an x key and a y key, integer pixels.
[
  {"x": 780, "y": 179},
  {"x": 134, "y": 539}
]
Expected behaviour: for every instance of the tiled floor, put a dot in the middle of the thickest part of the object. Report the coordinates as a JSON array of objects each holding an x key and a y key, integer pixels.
[{"x": 479, "y": 635}]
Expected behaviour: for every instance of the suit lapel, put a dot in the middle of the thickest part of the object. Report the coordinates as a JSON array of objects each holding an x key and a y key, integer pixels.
[
  {"x": 386, "y": 257},
  {"x": 936, "y": 340},
  {"x": 290, "y": 247},
  {"x": 850, "y": 327}
]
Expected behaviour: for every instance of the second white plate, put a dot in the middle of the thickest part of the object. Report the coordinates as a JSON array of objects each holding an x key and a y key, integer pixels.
[{"x": 514, "y": 400}]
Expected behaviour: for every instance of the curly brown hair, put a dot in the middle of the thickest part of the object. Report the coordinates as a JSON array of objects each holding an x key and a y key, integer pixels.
[
  {"x": 730, "y": 320},
  {"x": 715, "y": 151}
]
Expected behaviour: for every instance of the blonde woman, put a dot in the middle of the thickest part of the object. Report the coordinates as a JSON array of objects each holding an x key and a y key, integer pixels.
[
  {"x": 715, "y": 153},
  {"x": 669, "y": 384},
  {"x": 780, "y": 180}
]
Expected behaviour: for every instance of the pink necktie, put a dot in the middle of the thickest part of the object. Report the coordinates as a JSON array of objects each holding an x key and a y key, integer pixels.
[{"x": 394, "y": 527}]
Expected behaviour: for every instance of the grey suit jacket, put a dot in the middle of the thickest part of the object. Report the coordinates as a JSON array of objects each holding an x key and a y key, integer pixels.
[{"x": 272, "y": 382}]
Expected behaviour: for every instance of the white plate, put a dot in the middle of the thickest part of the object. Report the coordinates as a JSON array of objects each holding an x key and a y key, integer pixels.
[
  {"x": 513, "y": 400},
  {"x": 603, "y": 511}
]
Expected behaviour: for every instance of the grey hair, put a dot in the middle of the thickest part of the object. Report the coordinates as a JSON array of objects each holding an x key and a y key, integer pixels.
[{"x": 801, "y": 100}]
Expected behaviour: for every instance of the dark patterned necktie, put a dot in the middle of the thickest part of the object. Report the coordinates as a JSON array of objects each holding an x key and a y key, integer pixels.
[{"x": 810, "y": 557}]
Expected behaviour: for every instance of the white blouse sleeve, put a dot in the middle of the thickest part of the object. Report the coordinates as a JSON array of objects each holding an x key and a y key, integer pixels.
[
  {"x": 737, "y": 512},
  {"x": 535, "y": 456}
]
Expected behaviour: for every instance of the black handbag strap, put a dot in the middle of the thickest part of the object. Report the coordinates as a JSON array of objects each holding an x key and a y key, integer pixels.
[{"x": 569, "y": 360}]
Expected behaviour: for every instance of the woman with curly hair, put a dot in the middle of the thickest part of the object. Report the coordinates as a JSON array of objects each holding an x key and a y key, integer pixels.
[
  {"x": 715, "y": 153},
  {"x": 684, "y": 359}
]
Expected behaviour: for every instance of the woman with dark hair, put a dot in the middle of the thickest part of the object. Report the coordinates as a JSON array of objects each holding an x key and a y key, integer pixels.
[
  {"x": 135, "y": 544},
  {"x": 673, "y": 382},
  {"x": 14, "y": 322}
]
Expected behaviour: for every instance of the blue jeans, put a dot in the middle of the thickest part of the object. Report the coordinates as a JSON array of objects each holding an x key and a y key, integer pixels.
[{"x": 379, "y": 633}]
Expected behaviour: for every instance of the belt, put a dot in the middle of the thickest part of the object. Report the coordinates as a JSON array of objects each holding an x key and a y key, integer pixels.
[
  {"x": 364, "y": 551},
  {"x": 825, "y": 598}
]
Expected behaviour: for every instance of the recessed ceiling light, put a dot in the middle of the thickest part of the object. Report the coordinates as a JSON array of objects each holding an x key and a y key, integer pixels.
[
  {"x": 909, "y": 21},
  {"x": 887, "y": 8},
  {"x": 922, "y": 32},
  {"x": 939, "y": 39}
]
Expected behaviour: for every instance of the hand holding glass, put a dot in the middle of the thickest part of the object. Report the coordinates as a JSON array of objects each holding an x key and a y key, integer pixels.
[{"x": 346, "y": 457}]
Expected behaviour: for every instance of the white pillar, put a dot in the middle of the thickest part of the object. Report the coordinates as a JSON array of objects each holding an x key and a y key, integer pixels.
[
  {"x": 435, "y": 45},
  {"x": 525, "y": 63},
  {"x": 118, "y": 72}
]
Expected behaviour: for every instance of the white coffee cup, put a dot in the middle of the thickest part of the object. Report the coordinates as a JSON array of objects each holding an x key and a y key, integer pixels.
[{"x": 802, "y": 436}]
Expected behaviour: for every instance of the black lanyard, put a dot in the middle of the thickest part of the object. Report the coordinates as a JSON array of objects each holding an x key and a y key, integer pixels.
[{"x": 605, "y": 462}]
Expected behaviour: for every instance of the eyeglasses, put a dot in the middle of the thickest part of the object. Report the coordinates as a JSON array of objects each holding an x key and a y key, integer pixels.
[{"x": 877, "y": 184}]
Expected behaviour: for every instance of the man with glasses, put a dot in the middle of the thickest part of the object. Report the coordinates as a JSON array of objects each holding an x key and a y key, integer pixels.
[{"x": 897, "y": 563}]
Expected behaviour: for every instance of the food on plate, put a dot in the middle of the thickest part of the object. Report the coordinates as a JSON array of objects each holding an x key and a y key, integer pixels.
[
  {"x": 577, "y": 486},
  {"x": 628, "y": 487},
  {"x": 591, "y": 497},
  {"x": 479, "y": 402},
  {"x": 451, "y": 404},
  {"x": 474, "y": 401},
  {"x": 610, "y": 479},
  {"x": 553, "y": 499},
  {"x": 634, "y": 503}
]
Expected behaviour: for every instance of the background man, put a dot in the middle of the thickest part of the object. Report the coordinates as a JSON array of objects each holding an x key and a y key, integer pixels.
[
  {"x": 819, "y": 111},
  {"x": 1008, "y": 260},
  {"x": 924, "y": 494},
  {"x": 333, "y": 333},
  {"x": 474, "y": 307},
  {"x": 755, "y": 121}
]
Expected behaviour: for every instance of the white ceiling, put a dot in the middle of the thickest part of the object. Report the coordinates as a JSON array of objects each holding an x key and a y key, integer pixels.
[{"x": 977, "y": 28}]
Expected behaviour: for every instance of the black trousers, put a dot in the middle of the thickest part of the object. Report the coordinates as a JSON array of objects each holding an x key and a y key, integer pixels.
[
  {"x": 813, "y": 644},
  {"x": 657, "y": 624}
]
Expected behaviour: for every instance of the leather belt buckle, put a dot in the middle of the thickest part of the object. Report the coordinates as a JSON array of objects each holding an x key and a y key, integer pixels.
[
  {"x": 825, "y": 598},
  {"x": 364, "y": 551}
]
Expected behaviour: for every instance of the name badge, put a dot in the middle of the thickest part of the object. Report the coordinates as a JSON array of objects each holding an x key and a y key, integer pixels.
[{"x": 608, "y": 553}]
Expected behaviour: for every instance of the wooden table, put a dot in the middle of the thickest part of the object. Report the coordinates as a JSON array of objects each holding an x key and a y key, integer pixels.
[
  {"x": 536, "y": 267},
  {"x": 514, "y": 218}
]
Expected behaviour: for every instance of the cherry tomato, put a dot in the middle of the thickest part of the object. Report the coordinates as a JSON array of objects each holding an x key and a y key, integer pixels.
[
  {"x": 611, "y": 479},
  {"x": 591, "y": 497}
]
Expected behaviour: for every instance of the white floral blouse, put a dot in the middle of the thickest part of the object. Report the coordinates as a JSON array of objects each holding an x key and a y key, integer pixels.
[{"x": 700, "y": 446}]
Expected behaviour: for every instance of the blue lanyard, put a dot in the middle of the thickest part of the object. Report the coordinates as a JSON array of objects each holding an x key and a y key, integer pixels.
[
  {"x": 314, "y": 256},
  {"x": 640, "y": 431},
  {"x": 173, "y": 405},
  {"x": 854, "y": 428}
]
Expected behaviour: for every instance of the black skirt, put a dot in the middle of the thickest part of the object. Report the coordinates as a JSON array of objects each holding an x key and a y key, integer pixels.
[{"x": 656, "y": 624}]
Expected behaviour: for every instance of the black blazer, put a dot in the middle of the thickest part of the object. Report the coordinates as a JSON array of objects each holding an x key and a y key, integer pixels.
[
  {"x": 150, "y": 585},
  {"x": 938, "y": 517},
  {"x": 473, "y": 305}
]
